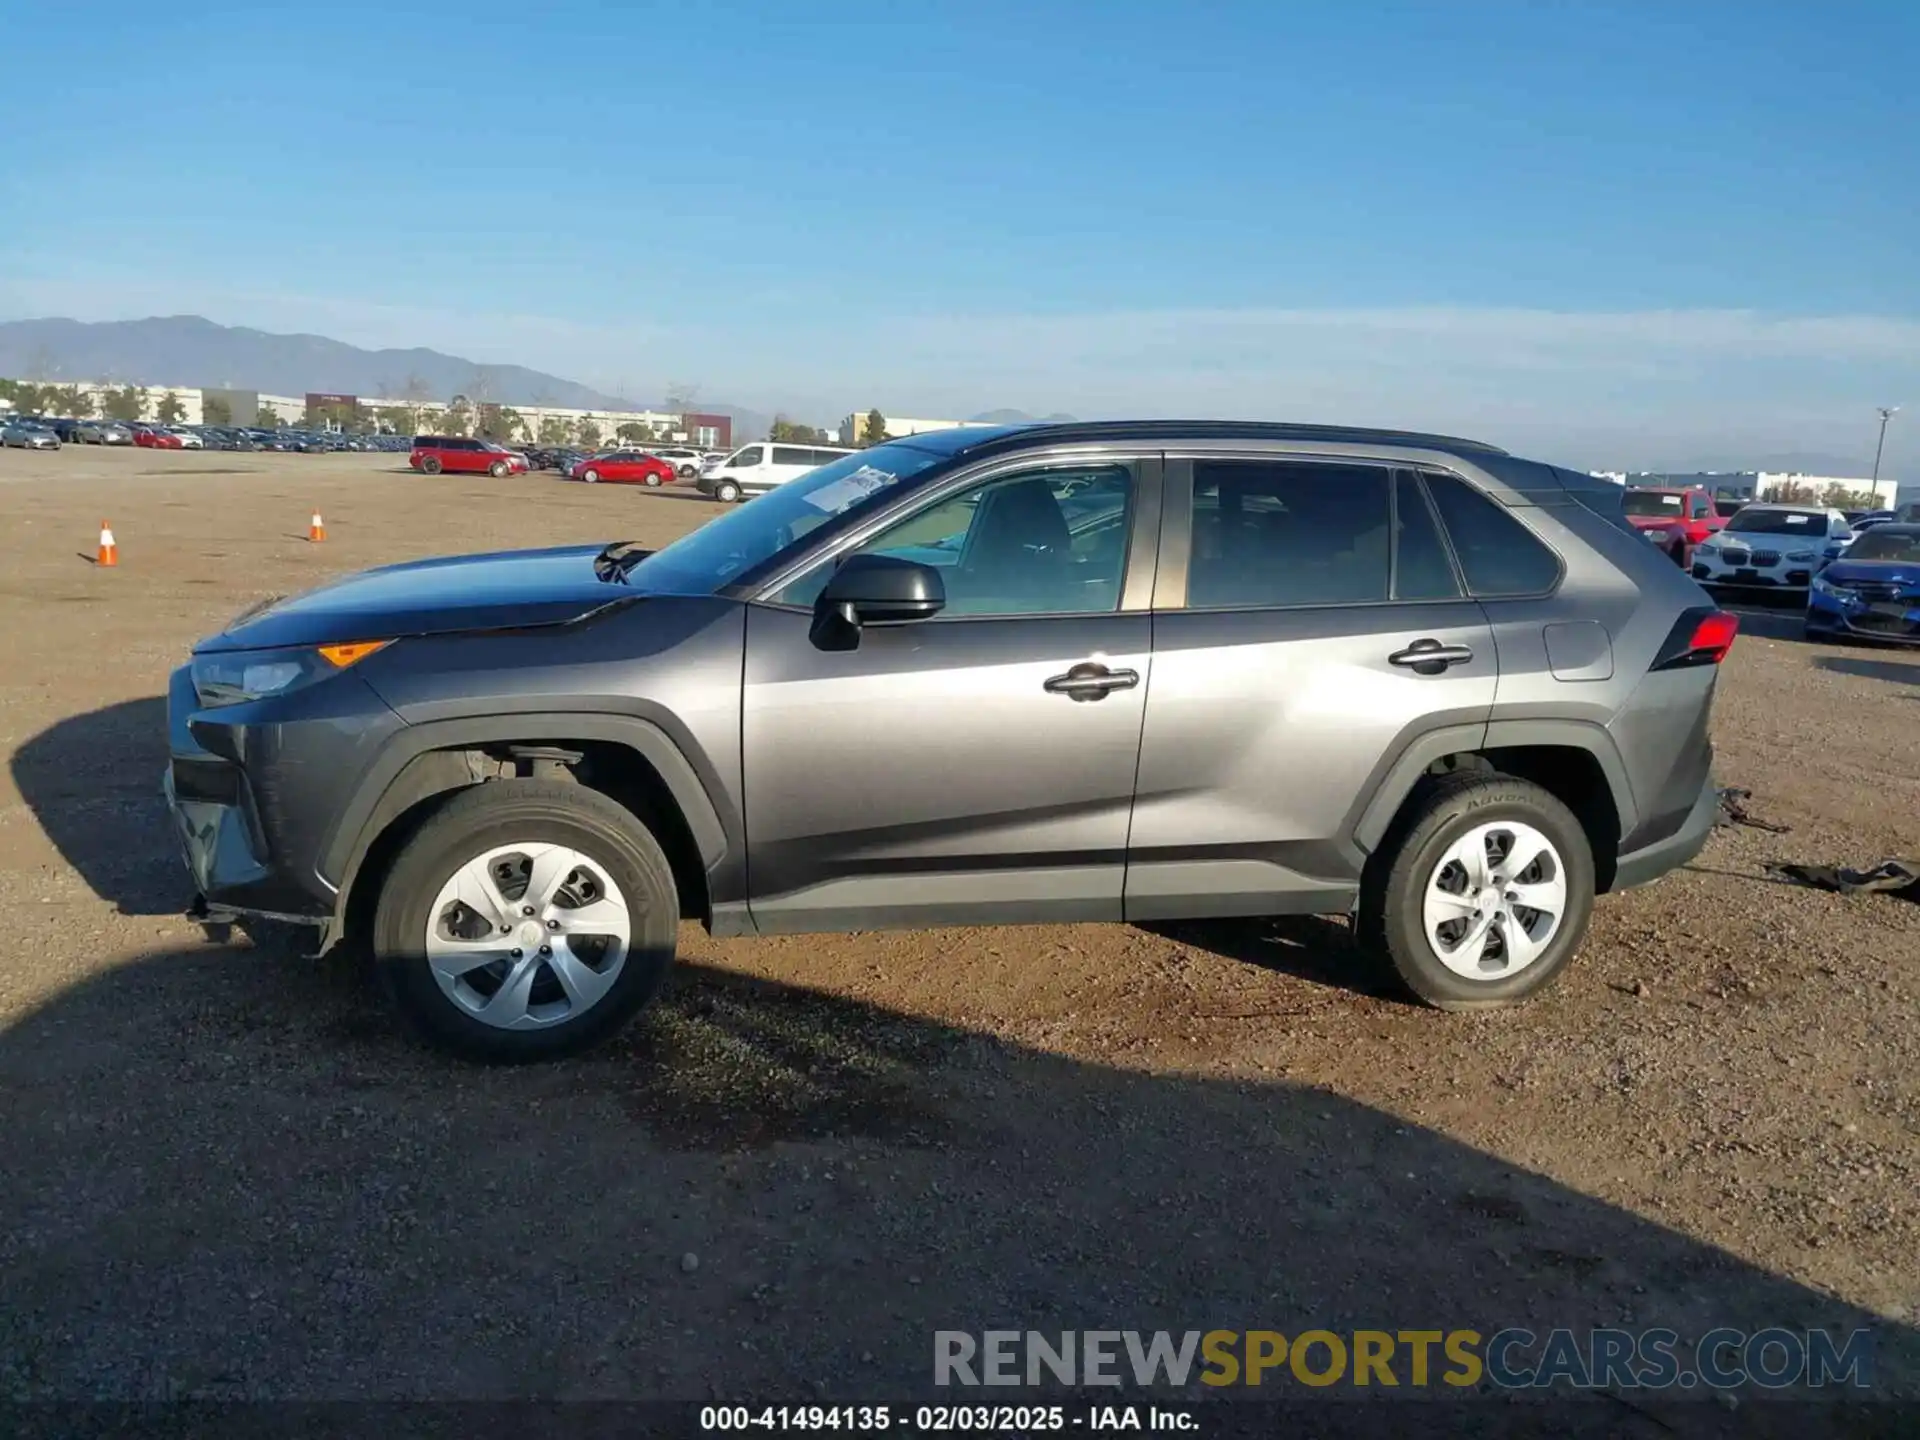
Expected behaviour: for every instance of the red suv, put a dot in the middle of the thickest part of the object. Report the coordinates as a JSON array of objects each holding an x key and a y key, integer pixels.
[
  {"x": 1676, "y": 519},
  {"x": 462, "y": 456},
  {"x": 625, "y": 465}
]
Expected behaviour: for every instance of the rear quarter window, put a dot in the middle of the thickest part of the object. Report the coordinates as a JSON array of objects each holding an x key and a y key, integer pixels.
[{"x": 1498, "y": 555}]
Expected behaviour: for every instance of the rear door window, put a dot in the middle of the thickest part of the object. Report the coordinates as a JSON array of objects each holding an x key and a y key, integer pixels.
[
  {"x": 793, "y": 455},
  {"x": 1287, "y": 533}
]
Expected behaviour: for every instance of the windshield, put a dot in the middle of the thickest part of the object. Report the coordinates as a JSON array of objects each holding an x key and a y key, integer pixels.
[
  {"x": 1653, "y": 502},
  {"x": 1755, "y": 521},
  {"x": 700, "y": 563},
  {"x": 1879, "y": 543}
]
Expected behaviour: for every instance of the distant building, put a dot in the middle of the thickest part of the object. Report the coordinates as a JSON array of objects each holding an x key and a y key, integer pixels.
[
  {"x": 899, "y": 427},
  {"x": 1763, "y": 484}
]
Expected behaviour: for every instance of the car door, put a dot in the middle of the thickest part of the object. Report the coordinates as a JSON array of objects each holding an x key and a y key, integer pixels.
[
  {"x": 977, "y": 766},
  {"x": 1308, "y": 625}
]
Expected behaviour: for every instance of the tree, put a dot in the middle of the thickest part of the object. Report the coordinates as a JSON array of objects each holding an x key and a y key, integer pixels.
[
  {"x": 458, "y": 418},
  {"x": 589, "y": 431},
  {"x": 170, "y": 411},
  {"x": 216, "y": 410},
  {"x": 553, "y": 431},
  {"x": 126, "y": 403},
  {"x": 503, "y": 422},
  {"x": 874, "y": 432},
  {"x": 26, "y": 396},
  {"x": 68, "y": 400},
  {"x": 793, "y": 432},
  {"x": 266, "y": 419},
  {"x": 635, "y": 433}
]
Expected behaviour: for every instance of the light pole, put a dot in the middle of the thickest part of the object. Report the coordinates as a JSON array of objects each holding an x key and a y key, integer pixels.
[{"x": 1886, "y": 414}]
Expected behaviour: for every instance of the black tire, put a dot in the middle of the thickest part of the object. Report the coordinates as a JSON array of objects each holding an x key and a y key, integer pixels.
[
  {"x": 592, "y": 477},
  {"x": 1392, "y": 891},
  {"x": 651, "y": 480},
  {"x": 430, "y": 466},
  {"x": 497, "y": 469},
  {"x": 505, "y": 812},
  {"x": 726, "y": 492}
]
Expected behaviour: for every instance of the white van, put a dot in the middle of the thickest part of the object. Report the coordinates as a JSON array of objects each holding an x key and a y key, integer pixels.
[{"x": 757, "y": 468}]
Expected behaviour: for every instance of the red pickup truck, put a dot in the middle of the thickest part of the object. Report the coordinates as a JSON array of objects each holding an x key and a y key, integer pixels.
[{"x": 1675, "y": 519}]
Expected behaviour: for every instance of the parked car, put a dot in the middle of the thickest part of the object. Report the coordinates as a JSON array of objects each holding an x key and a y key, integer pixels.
[
  {"x": 1866, "y": 519},
  {"x": 1728, "y": 506},
  {"x": 757, "y": 468},
  {"x": 1364, "y": 650},
  {"x": 156, "y": 437},
  {"x": 460, "y": 454},
  {"x": 1872, "y": 590},
  {"x": 1681, "y": 516},
  {"x": 685, "y": 460},
  {"x": 27, "y": 435},
  {"x": 1771, "y": 547},
  {"x": 188, "y": 438},
  {"x": 103, "y": 432},
  {"x": 66, "y": 428},
  {"x": 624, "y": 467}
]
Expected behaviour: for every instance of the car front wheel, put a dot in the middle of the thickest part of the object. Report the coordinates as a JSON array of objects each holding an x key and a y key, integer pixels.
[
  {"x": 497, "y": 469},
  {"x": 1483, "y": 895},
  {"x": 525, "y": 921},
  {"x": 652, "y": 479},
  {"x": 726, "y": 492}
]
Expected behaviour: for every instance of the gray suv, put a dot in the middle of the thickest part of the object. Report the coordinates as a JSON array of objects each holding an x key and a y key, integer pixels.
[{"x": 1123, "y": 672}]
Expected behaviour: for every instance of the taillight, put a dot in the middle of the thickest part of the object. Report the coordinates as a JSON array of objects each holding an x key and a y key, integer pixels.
[{"x": 1702, "y": 636}]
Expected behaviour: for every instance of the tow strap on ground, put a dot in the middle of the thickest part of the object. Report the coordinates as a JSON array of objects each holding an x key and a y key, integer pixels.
[
  {"x": 1889, "y": 877},
  {"x": 1733, "y": 811}
]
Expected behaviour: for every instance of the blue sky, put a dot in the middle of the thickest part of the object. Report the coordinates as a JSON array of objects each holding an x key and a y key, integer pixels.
[{"x": 1648, "y": 233}]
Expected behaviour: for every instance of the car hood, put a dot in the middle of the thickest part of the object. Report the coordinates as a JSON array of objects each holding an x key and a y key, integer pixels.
[
  {"x": 506, "y": 590},
  {"x": 1648, "y": 522},
  {"x": 1904, "y": 573}
]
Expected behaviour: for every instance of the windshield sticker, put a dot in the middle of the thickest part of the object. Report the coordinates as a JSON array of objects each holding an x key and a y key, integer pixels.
[
  {"x": 1673, "y": 500},
  {"x": 850, "y": 489},
  {"x": 1798, "y": 519}
]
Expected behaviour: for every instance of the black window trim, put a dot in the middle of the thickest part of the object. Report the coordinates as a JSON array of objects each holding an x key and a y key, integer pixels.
[
  {"x": 1466, "y": 588},
  {"x": 1136, "y": 569}
]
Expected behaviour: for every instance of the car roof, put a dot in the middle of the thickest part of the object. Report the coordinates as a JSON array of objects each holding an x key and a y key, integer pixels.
[
  {"x": 1788, "y": 505},
  {"x": 1899, "y": 527},
  {"x": 984, "y": 437}
]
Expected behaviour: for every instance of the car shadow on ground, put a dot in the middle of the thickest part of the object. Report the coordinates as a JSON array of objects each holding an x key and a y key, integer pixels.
[
  {"x": 1309, "y": 947},
  {"x": 228, "y": 1176},
  {"x": 1893, "y": 671},
  {"x": 93, "y": 783}
]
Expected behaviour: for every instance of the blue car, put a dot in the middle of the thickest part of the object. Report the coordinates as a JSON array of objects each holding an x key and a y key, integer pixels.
[{"x": 1873, "y": 589}]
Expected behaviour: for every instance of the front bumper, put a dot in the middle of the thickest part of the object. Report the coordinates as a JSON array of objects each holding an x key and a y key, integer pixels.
[
  {"x": 1650, "y": 862},
  {"x": 254, "y": 806},
  {"x": 1870, "y": 615},
  {"x": 1753, "y": 569}
]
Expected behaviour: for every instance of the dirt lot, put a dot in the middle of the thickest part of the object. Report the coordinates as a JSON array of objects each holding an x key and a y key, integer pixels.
[{"x": 226, "y": 1175}]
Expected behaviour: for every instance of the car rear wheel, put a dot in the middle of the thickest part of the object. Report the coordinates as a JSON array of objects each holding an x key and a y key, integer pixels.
[
  {"x": 592, "y": 477},
  {"x": 497, "y": 469},
  {"x": 1482, "y": 894},
  {"x": 430, "y": 466},
  {"x": 726, "y": 492},
  {"x": 525, "y": 921}
]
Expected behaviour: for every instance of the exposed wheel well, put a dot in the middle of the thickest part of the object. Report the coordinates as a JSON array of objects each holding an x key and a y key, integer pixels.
[
  {"x": 617, "y": 771},
  {"x": 1571, "y": 775}
]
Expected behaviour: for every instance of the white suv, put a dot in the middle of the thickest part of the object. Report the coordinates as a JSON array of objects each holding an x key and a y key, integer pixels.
[
  {"x": 685, "y": 461},
  {"x": 1771, "y": 547}
]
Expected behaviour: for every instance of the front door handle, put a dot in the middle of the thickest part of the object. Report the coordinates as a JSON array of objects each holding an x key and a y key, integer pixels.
[
  {"x": 1430, "y": 657},
  {"x": 1091, "y": 681}
]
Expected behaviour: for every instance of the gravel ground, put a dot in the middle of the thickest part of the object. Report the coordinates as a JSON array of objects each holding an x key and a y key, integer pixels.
[{"x": 226, "y": 1175}]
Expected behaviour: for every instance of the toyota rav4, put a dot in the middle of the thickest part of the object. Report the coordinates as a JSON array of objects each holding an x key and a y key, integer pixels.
[{"x": 1122, "y": 672}]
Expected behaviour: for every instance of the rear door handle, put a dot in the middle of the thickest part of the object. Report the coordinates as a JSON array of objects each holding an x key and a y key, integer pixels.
[
  {"x": 1430, "y": 657},
  {"x": 1091, "y": 681}
]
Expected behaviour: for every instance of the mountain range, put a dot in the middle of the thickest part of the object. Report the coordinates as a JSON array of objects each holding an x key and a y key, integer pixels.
[{"x": 189, "y": 350}]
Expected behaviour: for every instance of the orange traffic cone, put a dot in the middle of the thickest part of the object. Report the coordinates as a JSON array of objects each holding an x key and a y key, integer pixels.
[
  {"x": 316, "y": 528},
  {"x": 108, "y": 553}
]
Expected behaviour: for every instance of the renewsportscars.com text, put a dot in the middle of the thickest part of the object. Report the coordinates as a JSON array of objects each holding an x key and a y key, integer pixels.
[{"x": 1508, "y": 1359}]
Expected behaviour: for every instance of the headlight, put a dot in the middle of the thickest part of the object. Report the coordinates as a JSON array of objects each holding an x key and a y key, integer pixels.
[
  {"x": 243, "y": 675},
  {"x": 1799, "y": 556}
]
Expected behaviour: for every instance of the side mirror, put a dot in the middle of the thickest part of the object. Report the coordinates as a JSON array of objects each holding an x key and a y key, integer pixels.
[{"x": 874, "y": 590}]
